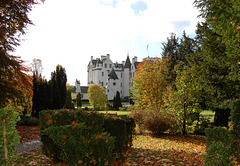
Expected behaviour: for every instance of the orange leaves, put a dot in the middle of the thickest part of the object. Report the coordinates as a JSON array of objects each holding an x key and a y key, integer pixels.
[
  {"x": 166, "y": 150},
  {"x": 49, "y": 119},
  {"x": 151, "y": 83},
  {"x": 74, "y": 123}
]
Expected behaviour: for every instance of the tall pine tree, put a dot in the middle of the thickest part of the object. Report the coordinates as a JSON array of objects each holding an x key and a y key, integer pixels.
[{"x": 58, "y": 88}]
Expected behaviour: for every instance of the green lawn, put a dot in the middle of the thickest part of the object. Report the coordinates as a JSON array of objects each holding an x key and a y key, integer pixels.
[
  {"x": 116, "y": 112},
  {"x": 208, "y": 114}
]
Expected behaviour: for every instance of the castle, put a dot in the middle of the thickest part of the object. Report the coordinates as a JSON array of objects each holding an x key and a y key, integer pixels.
[{"x": 111, "y": 76}]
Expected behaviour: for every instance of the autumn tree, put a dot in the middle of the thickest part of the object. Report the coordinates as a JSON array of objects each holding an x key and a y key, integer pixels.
[
  {"x": 151, "y": 85},
  {"x": 58, "y": 88},
  {"x": 15, "y": 83},
  {"x": 97, "y": 96}
]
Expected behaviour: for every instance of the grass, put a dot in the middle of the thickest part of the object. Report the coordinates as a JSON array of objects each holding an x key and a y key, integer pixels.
[
  {"x": 116, "y": 112},
  {"x": 208, "y": 114}
]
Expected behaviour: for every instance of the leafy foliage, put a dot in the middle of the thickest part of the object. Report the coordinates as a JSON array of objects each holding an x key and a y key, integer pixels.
[
  {"x": 9, "y": 137},
  {"x": 151, "y": 85},
  {"x": 68, "y": 103},
  {"x": 97, "y": 97},
  {"x": 117, "y": 101},
  {"x": 219, "y": 146},
  {"x": 186, "y": 98},
  {"x": 58, "y": 88},
  {"x": 79, "y": 100},
  {"x": 15, "y": 83},
  {"x": 80, "y": 148}
]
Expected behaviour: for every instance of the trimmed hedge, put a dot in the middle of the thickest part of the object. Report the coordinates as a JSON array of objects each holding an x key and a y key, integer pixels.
[
  {"x": 80, "y": 148},
  {"x": 120, "y": 128}
]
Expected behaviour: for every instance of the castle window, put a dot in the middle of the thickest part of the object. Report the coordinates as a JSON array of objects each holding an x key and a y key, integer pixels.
[
  {"x": 114, "y": 84},
  {"x": 105, "y": 65},
  {"x": 102, "y": 73},
  {"x": 121, "y": 75},
  {"x": 110, "y": 65},
  {"x": 108, "y": 90}
]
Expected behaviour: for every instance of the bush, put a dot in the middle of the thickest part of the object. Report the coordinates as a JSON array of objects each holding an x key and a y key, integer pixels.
[
  {"x": 117, "y": 128},
  {"x": 79, "y": 148},
  {"x": 219, "y": 146},
  {"x": 9, "y": 138},
  {"x": 138, "y": 116},
  {"x": 158, "y": 121},
  {"x": 28, "y": 121},
  {"x": 154, "y": 121},
  {"x": 235, "y": 118},
  {"x": 120, "y": 127}
]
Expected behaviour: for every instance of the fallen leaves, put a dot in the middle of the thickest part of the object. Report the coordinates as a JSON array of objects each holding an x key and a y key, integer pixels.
[
  {"x": 28, "y": 133},
  {"x": 166, "y": 150},
  {"x": 147, "y": 150}
]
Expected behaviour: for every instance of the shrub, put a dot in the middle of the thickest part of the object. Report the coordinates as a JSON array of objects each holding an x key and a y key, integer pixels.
[
  {"x": 158, "y": 121},
  {"x": 138, "y": 116},
  {"x": 28, "y": 121},
  {"x": 235, "y": 118},
  {"x": 9, "y": 138},
  {"x": 117, "y": 128},
  {"x": 79, "y": 148},
  {"x": 219, "y": 146}
]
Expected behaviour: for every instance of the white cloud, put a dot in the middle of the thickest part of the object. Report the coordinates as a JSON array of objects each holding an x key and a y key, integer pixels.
[{"x": 69, "y": 32}]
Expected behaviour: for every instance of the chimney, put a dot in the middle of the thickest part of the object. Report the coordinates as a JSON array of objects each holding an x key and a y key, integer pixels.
[
  {"x": 91, "y": 58},
  {"x": 108, "y": 56},
  {"x": 134, "y": 59}
]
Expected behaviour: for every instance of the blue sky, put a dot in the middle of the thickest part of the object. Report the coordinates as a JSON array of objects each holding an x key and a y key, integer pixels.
[{"x": 69, "y": 32}]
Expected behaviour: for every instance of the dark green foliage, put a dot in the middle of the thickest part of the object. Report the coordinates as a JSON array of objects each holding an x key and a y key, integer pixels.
[
  {"x": 68, "y": 103},
  {"x": 8, "y": 120},
  {"x": 121, "y": 127},
  {"x": 28, "y": 121},
  {"x": 221, "y": 117},
  {"x": 219, "y": 146},
  {"x": 78, "y": 147},
  {"x": 235, "y": 120},
  {"x": 79, "y": 100},
  {"x": 117, "y": 101},
  {"x": 58, "y": 88},
  {"x": 215, "y": 73},
  {"x": 117, "y": 128},
  {"x": 41, "y": 95}
]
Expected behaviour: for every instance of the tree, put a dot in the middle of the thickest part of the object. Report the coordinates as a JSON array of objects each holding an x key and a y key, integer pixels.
[
  {"x": 58, "y": 88},
  {"x": 215, "y": 73},
  {"x": 97, "y": 96},
  {"x": 223, "y": 17},
  {"x": 15, "y": 83},
  {"x": 68, "y": 103},
  {"x": 41, "y": 95},
  {"x": 186, "y": 98},
  {"x": 117, "y": 101},
  {"x": 151, "y": 85},
  {"x": 178, "y": 50},
  {"x": 79, "y": 100}
]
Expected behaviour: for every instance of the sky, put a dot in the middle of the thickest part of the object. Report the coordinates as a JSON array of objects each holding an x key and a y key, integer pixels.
[{"x": 69, "y": 32}]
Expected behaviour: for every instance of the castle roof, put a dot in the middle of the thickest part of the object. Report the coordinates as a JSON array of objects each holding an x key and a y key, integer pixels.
[
  {"x": 127, "y": 63},
  {"x": 113, "y": 75}
]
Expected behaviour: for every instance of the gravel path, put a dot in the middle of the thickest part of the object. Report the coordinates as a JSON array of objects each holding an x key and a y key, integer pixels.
[{"x": 29, "y": 146}]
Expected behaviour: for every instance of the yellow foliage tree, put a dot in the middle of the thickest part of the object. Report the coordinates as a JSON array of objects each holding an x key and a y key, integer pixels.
[{"x": 97, "y": 96}]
